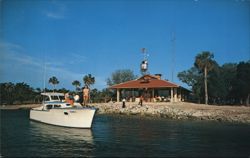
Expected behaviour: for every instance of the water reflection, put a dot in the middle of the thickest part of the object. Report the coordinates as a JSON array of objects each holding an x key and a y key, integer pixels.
[
  {"x": 61, "y": 141},
  {"x": 60, "y": 133}
]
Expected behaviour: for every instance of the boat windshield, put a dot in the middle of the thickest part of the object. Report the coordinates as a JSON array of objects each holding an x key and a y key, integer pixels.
[
  {"x": 61, "y": 98},
  {"x": 55, "y": 97},
  {"x": 46, "y": 98}
]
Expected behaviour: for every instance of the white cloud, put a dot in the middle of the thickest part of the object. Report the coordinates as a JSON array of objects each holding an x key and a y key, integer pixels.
[
  {"x": 78, "y": 58},
  {"x": 54, "y": 15},
  {"x": 57, "y": 10},
  {"x": 28, "y": 68},
  {"x": 13, "y": 53}
]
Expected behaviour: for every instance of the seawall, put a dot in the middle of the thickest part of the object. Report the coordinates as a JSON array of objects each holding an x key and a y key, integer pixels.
[{"x": 181, "y": 110}]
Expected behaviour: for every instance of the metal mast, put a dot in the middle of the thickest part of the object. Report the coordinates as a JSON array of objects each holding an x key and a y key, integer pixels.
[
  {"x": 173, "y": 56},
  {"x": 144, "y": 63}
]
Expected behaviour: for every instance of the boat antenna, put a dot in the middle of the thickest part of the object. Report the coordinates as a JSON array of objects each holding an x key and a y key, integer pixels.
[{"x": 44, "y": 77}]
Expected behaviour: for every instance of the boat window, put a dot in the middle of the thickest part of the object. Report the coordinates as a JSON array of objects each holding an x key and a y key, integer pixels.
[
  {"x": 62, "y": 98},
  {"x": 55, "y": 98},
  {"x": 46, "y": 98},
  {"x": 57, "y": 106},
  {"x": 49, "y": 106}
]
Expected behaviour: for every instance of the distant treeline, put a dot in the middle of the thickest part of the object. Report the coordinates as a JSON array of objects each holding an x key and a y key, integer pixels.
[
  {"x": 19, "y": 93},
  {"x": 226, "y": 84},
  {"x": 22, "y": 93}
]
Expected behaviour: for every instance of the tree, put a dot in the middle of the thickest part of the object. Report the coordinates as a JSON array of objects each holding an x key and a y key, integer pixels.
[
  {"x": 216, "y": 85},
  {"x": 227, "y": 75},
  {"x": 226, "y": 84},
  {"x": 77, "y": 84},
  {"x": 120, "y": 76},
  {"x": 101, "y": 96},
  {"x": 53, "y": 80},
  {"x": 24, "y": 92},
  {"x": 192, "y": 78},
  {"x": 88, "y": 80},
  {"x": 7, "y": 91},
  {"x": 241, "y": 86},
  {"x": 204, "y": 62},
  {"x": 21, "y": 93}
]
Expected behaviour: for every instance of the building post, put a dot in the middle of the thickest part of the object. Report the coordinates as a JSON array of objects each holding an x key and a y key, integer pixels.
[
  {"x": 180, "y": 95},
  {"x": 175, "y": 94},
  {"x": 153, "y": 94},
  {"x": 172, "y": 96},
  {"x": 118, "y": 95}
]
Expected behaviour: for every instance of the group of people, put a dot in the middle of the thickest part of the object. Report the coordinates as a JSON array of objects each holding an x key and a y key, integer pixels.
[{"x": 85, "y": 100}]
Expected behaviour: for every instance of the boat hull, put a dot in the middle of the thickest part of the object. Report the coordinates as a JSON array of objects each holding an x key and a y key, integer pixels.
[{"x": 67, "y": 117}]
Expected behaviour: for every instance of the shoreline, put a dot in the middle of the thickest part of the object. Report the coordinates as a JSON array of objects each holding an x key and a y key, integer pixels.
[{"x": 179, "y": 111}]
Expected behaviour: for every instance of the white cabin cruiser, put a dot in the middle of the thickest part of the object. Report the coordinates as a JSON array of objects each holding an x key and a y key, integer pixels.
[{"x": 56, "y": 111}]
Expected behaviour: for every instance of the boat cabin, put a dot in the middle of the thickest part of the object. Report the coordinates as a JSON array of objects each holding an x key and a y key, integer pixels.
[
  {"x": 54, "y": 100},
  {"x": 50, "y": 97}
]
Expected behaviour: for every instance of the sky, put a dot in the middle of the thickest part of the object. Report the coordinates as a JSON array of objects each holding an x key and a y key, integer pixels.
[{"x": 72, "y": 38}]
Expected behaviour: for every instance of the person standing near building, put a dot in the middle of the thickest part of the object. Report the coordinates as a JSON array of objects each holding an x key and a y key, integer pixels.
[
  {"x": 141, "y": 100},
  {"x": 123, "y": 103},
  {"x": 85, "y": 95}
]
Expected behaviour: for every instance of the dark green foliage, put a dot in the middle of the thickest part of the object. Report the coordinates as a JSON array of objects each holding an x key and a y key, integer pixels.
[
  {"x": 21, "y": 93},
  {"x": 120, "y": 76},
  {"x": 205, "y": 63},
  {"x": 77, "y": 84},
  {"x": 242, "y": 82},
  {"x": 194, "y": 79},
  {"x": 101, "y": 96},
  {"x": 54, "y": 81},
  {"x": 6, "y": 93},
  {"x": 227, "y": 84},
  {"x": 18, "y": 93},
  {"x": 88, "y": 80}
]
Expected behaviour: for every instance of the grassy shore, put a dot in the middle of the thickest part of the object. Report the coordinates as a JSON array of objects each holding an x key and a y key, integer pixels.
[{"x": 181, "y": 110}]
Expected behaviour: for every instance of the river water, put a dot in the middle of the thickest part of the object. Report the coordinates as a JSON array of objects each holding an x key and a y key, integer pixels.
[{"x": 123, "y": 136}]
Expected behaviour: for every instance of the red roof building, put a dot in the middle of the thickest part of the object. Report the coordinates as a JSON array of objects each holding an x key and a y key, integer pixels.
[{"x": 151, "y": 88}]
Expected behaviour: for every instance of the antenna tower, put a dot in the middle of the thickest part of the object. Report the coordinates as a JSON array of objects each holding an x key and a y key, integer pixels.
[
  {"x": 144, "y": 63},
  {"x": 173, "y": 56}
]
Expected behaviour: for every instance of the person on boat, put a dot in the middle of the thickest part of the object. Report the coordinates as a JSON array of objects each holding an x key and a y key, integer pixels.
[
  {"x": 66, "y": 96},
  {"x": 85, "y": 95},
  {"x": 68, "y": 99}
]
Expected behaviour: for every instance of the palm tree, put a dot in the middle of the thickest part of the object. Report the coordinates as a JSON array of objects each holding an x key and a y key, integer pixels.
[
  {"x": 204, "y": 62},
  {"x": 88, "y": 80},
  {"x": 54, "y": 81},
  {"x": 77, "y": 84}
]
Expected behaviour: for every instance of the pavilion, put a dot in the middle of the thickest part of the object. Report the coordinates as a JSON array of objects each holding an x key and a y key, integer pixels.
[{"x": 152, "y": 88}]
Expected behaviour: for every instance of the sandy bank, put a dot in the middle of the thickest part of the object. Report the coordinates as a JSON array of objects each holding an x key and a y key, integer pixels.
[{"x": 180, "y": 110}]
